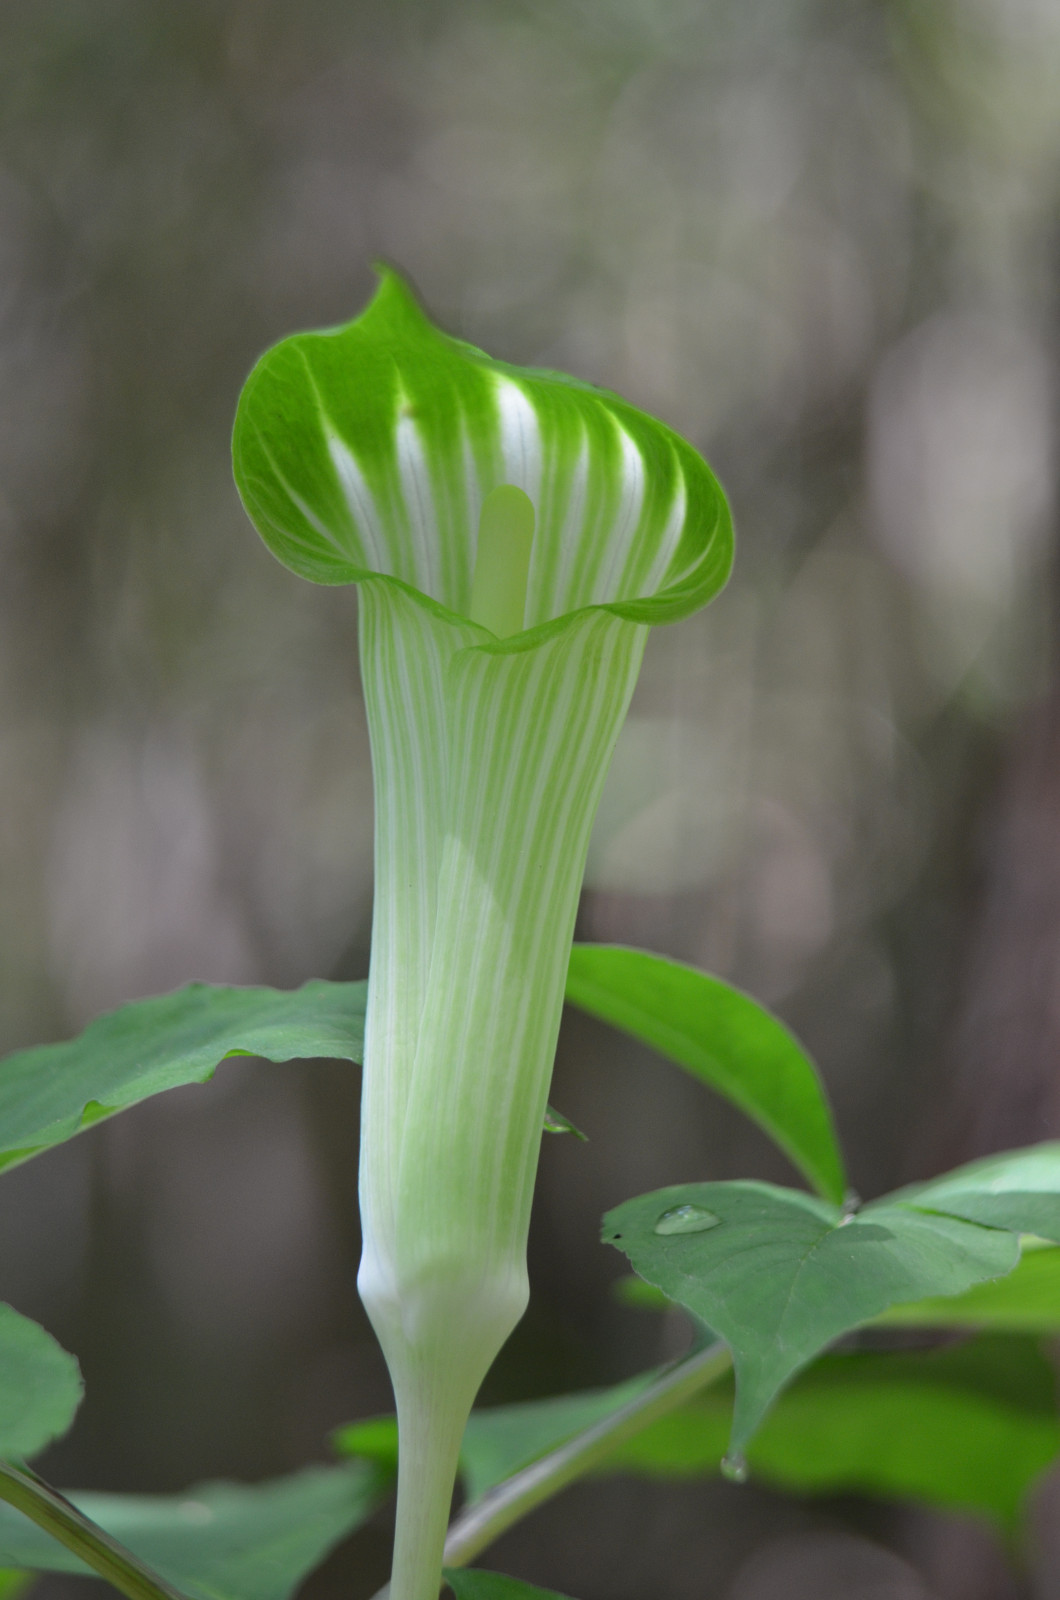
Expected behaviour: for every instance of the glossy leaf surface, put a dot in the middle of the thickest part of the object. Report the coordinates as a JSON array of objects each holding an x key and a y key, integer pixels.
[
  {"x": 53, "y": 1091},
  {"x": 219, "y": 1541},
  {"x": 40, "y": 1386},
  {"x": 1027, "y": 1301},
  {"x": 780, "y": 1275},
  {"x": 724, "y": 1038}
]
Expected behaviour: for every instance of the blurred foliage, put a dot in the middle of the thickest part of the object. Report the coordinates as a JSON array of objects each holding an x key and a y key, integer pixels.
[{"x": 819, "y": 238}]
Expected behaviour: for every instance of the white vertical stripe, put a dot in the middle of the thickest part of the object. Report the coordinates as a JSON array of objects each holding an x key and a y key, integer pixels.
[
  {"x": 520, "y": 439},
  {"x": 422, "y": 514},
  {"x": 361, "y": 503},
  {"x": 551, "y": 568},
  {"x": 621, "y": 551},
  {"x": 667, "y": 539}
]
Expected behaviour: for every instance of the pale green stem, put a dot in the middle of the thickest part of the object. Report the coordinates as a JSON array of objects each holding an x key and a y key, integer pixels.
[{"x": 431, "y": 1428}]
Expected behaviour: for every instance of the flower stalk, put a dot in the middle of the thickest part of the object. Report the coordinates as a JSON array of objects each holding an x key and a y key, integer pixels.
[{"x": 513, "y": 534}]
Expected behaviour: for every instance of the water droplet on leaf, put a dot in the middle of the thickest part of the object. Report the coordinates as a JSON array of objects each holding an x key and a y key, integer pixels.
[
  {"x": 686, "y": 1219},
  {"x": 734, "y": 1467}
]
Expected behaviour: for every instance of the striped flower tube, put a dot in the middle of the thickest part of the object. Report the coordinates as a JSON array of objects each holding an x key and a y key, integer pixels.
[{"x": 514, "y": 533}]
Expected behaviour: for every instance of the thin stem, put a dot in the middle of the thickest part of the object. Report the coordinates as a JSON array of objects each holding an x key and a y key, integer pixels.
[
  {"x": 50, "y": 1511},
  {"x": 488, "y": 1517},
  {"x": 430, "y": 1425}
]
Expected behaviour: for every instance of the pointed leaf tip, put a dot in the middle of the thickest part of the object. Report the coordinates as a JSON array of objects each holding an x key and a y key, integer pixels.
[{"x": 395, "y": 297}]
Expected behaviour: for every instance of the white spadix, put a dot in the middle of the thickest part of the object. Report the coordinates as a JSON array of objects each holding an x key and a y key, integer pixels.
[{"x": 502, "y": 561}]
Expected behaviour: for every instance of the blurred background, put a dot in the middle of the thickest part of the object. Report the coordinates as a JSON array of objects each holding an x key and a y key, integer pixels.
[{"x": 819, "y": 237}]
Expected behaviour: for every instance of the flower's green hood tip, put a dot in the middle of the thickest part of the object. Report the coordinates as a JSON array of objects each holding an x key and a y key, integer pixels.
[{"x": 365, "y": 452}]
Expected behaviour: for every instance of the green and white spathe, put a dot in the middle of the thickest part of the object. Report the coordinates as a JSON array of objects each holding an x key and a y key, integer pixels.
[{"x": 364, "y": 454}]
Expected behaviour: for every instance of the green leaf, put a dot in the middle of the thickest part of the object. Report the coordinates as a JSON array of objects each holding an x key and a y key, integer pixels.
[
  {"x": 639, "y": 1296},
  {"x": 969, "y": 1428},
  {"x": 373, "y": 1439},
  {"x": 40, "y": 1386},
  {"x": 556, "y": 1122},
  {"x": 779, "y": 1274},
  {"x": 1027, "y": 1301},
  {"x": 53, "y": 1091},
  {"x": 471, "y": 1583},
  {"x": 219, "y": 1541},
  {"x": 1018, "y": 1190},
  {"x": 13, "y": 1582},
  {"x": 368, "y": 449},
  {"x": 722, "y": 1037}
]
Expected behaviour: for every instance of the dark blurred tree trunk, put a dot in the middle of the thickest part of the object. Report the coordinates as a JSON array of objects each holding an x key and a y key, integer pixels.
[
  {"x": 1001, "y": 1068},
  {"x": 1003, "y": 1086}
]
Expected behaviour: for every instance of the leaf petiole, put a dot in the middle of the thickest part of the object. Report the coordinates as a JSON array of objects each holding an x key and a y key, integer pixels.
[
  {"x": 52, "y": 1512},
  {"x": 488, "y": 1517}
]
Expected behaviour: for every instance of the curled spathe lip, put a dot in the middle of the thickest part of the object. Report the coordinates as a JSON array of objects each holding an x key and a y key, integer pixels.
[{"x": 365, "y": 452}]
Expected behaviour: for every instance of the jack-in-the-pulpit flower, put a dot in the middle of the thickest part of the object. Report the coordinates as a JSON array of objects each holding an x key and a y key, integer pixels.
[{"x": 514, "y": 533}]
